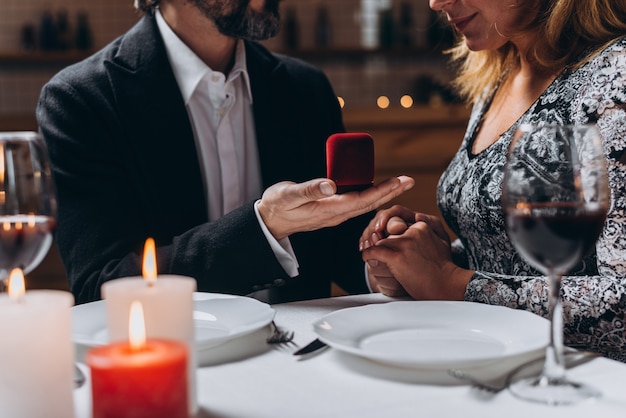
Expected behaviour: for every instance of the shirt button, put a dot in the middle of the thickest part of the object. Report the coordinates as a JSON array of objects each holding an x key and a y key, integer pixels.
[{"x": 279, "y": 282}]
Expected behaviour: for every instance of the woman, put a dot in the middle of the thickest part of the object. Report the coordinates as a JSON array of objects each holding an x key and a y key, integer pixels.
[{"x": 520, "y": 61}]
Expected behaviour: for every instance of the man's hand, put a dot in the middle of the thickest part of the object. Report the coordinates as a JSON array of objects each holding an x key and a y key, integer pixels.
[{"x": 287, "y": 207}]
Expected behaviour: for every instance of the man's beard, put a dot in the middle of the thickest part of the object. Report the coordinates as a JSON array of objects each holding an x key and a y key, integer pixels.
[{"x": 234, "y": 18}]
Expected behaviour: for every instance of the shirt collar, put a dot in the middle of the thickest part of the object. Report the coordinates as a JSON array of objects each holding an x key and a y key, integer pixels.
[{"x": 189, "y": 69}]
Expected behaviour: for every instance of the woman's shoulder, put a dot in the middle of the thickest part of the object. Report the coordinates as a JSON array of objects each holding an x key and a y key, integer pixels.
[
  {"x": 586, "y": 92},
  {"x": 618, "y": 44},
  {"x": 611, "y": 55},
  {"x": 604, "y": 71}
]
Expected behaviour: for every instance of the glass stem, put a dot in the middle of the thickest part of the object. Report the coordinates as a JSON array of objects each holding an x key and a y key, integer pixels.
[{"x": 554, "y": 367}]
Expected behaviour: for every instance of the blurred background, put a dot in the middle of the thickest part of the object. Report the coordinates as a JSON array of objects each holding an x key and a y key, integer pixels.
[{"x": 383, "y": 57}]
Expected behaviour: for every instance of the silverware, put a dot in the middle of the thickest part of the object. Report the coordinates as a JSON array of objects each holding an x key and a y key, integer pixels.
[
  {"x": 501, "y": 382},
  {"x": 280, "y": 336},
  {"x": 79, "y": 377},
  {"x": 314, "y": 346},
  {"x": 492, "y": 386}
]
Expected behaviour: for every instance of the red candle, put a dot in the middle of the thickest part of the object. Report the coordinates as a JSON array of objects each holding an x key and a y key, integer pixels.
[{"x": 139, "y": 378}]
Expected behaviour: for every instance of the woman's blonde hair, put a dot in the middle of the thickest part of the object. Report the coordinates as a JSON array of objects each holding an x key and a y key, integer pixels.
[{"x": 569, "y": 27}]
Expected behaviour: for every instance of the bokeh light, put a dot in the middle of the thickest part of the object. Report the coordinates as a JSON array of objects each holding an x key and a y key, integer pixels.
[
  {"x": 406, "y": 101},
  {"x": 383, "y": 102}
]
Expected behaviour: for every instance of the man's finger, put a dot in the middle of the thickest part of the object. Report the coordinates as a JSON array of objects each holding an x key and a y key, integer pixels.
[
  {"x": 385, "y": 191},
  {"x": 299, "y": 194}
]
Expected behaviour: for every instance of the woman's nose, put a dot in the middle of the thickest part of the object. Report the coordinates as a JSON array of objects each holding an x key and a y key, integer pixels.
[{"x": 439, "y": 4}]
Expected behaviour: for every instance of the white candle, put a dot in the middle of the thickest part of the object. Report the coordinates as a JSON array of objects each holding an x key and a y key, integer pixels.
[
  {"x": 167, "y": 304},
  {"x": 36, "y": 352}
]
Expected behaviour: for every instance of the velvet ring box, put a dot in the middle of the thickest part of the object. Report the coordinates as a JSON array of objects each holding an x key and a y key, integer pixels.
[{"x": 350, "y": 161}]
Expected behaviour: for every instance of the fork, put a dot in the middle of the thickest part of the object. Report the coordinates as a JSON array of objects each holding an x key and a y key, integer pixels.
[
  {"x": 280, "y": 336},
  {"x": 499, "y": 383},
  {"x": 494, "y": 388},
  {"x": 79, "y": 377}
]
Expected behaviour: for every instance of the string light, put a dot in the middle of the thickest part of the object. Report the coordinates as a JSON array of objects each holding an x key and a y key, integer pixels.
[
  {"x": 383, "y": 102},
  {"x": 406, "y": 101}
]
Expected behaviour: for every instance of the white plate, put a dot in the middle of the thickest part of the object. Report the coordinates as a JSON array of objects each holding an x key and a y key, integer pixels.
[
  {"x": 433, "y": 334},
  {"x": 217, "y": 319}
]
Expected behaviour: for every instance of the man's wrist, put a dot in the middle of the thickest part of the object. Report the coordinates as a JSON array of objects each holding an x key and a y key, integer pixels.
[{"x": 282, "y": 248}]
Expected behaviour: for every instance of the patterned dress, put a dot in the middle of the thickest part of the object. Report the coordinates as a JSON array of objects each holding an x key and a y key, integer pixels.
[{"x": 594, "y": 293}]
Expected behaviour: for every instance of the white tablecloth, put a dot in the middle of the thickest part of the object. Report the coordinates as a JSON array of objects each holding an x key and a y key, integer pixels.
[{"x": 247, "y": 378}]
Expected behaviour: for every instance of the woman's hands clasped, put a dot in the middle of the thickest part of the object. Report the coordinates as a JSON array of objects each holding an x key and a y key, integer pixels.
[{"x": 409, "y": 252}]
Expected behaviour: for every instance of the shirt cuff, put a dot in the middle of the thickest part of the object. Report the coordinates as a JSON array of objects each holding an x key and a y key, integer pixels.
[{"x": 282, "y": 249}]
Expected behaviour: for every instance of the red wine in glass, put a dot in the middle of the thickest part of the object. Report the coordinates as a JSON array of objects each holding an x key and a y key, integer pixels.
[
  {"x": 555, "y": 236},
  {"x": 555, "y": 199}
]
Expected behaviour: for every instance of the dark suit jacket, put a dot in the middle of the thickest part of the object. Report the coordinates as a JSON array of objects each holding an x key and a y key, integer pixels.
[{"x": 126, "y": 168}]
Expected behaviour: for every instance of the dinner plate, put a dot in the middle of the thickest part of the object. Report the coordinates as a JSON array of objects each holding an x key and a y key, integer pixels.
[
  {"x": 217, "y": 319},
  {"x": 433, "y": 334}
]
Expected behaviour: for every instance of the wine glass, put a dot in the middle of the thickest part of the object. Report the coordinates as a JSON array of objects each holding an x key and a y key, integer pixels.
[
  {"x": 27, "y": 202},
  {"x": 555, "y": 198}
]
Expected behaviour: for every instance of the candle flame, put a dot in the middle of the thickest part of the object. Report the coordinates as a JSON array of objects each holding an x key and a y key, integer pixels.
[
  {"x": 136, "y": 326},
  {"x": 17, "y": 287},
  {"x": 149, "y": 270}
]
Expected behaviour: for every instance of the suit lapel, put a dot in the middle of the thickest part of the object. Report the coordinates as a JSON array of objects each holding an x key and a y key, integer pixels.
[
  {"x": 151, "y": 107},
  {"x": 275, "y": 116}
]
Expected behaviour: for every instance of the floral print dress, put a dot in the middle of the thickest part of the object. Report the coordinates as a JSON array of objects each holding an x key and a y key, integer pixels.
[{"x": 594, "y": 293}]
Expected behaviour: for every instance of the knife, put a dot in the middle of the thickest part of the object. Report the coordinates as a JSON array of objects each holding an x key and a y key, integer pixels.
[{"x": 314, "y": 346}]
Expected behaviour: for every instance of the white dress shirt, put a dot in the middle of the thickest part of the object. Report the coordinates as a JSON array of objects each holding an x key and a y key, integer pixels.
[{"x": 220, "y": 112}]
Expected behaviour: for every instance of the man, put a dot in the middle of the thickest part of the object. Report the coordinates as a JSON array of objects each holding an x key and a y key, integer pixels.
[{"x": 173, "y": 130}]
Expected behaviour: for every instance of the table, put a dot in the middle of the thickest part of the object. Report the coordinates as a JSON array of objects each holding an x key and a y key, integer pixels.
[{"x": 248, "y": 378}]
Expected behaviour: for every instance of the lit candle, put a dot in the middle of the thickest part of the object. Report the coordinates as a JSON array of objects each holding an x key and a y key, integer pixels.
[
  {"x": 139, "y": 377},
  {"x": 167, "y": 304},
  {"x": 36, "y": 353}
]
